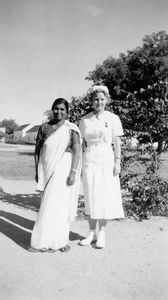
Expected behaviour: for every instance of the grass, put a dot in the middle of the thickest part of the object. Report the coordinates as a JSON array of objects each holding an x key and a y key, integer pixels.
[{"x": 16, "y": 164}]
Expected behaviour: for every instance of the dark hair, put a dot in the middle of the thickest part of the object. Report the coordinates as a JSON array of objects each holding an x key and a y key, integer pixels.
[{"x": 60, "y": 101}]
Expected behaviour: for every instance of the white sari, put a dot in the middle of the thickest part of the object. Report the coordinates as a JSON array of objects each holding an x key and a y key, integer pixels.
[{"x": 59, "y": 201}]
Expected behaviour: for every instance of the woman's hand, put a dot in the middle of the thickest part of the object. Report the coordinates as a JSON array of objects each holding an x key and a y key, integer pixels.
[
  {"x": 71, "y": 178},
  {"x": 117, "y": 168}
]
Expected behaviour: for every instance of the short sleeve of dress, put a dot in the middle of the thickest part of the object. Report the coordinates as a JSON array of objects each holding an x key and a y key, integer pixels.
[
  {"x": 75, "y": 139},
  {"x": 81, "y": 127},
  {"x": 39, "y": 140},
  {"x": 117, "y": 129}
]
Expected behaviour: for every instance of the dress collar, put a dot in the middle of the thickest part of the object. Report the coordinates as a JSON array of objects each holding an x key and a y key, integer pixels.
[{"x": 100, "y": 115}]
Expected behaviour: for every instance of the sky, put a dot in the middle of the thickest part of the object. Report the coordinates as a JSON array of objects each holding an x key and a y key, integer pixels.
[{"x": 48, "y": 47}]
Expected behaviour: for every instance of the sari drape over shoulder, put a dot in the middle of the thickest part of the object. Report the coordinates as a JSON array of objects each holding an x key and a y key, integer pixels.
[{"x": 59, "y": 201}]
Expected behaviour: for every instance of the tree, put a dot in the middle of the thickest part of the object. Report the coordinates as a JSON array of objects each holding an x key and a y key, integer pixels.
[
  {"x": 138, "y": 85},
  {"x": 9, "y": 124},
  {"x": 79, "y": 106}
]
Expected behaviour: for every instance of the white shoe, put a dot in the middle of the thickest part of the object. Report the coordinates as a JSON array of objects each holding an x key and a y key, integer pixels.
[
  {"x": 101, "y": 240},
  {"x": 90, "y": 239}
]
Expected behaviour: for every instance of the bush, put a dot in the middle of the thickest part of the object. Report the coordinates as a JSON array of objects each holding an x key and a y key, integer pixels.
[
  {"x": 149, "y": 198},
  {"x": 148, "y": 193}
]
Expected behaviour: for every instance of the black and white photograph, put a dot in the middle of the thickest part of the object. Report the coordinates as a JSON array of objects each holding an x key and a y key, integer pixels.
[{"x": 84, "y": 149}]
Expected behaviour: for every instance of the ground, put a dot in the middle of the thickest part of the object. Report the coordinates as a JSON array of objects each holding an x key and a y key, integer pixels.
[{"x": 133, "y": 265}]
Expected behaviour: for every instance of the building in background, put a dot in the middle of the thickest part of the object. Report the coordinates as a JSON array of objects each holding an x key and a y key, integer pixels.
[
  {"x": 2, "y": 134},
  {"x": 20, "y": 133},
  {"x": 30, "y": 137}
]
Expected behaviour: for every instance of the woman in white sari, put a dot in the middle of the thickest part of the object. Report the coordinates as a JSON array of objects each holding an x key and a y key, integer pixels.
[{"x": 57, "y": 164}]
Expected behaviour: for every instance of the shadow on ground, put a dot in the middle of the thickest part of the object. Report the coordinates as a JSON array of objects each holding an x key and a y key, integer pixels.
[
  {"x": 26, "y": 201},
  {"x": 32, "y": 202},
  {"x": 13, "y": 232},
  {"x": 18, "y": 229},
  {"x": 26, "y": 153}
]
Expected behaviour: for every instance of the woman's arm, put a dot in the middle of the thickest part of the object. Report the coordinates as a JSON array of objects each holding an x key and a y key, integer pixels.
[
  {"x": 36, "y": 161},
  {"x": 84, "y": 144},
  {"x": 76, "y": 150},
  {"x": 117, "y": 155},
  {"x": 39, "y": 142},
  {"x": 75, "y": 157}
]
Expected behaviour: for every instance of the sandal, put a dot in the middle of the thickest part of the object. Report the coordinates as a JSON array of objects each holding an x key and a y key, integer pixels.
[
  {"x": 65, "y": 249},
  {"x": 43, "y": 250},
  {"x": 51, "y": 250},
  {"x": 31, "y": 249}
]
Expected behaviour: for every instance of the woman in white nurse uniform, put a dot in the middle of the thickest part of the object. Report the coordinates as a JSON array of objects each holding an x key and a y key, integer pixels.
[{"x": 101, "y": 166}]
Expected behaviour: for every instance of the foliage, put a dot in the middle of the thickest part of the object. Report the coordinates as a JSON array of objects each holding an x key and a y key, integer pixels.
[
  {"x": 138, "y": 86},
  {"x": 145, "y": 112},
  {"x": 141, "y": 67},
  {"x": 9, "y": 124},
  {"x": 79, "y": 106},
  {"x": 149, "y": 197},
  {"x": 48, "y": 115},
  {"x": 148, "y": 193}
]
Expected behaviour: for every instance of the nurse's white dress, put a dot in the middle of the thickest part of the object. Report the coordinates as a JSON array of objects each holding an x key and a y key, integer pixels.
[{"x": 102, "y": 190}]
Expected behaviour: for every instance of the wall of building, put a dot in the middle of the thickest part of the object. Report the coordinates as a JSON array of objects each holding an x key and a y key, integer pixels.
[{"x": 30, "y": 137}]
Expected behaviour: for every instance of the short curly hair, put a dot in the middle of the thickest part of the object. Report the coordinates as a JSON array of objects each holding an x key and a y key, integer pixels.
[{"x": 102, "y": 89}]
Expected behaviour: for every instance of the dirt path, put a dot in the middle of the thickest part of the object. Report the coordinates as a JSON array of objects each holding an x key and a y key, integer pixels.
[{"x": 134, "y": 264}]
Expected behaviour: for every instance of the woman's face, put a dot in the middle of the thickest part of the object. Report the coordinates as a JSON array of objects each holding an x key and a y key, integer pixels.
[
  {"x": 99, "y": 101},
  {"x": 59, "y": 112}
]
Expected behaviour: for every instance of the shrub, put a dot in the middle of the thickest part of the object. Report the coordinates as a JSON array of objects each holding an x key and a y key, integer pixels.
[
  {"x": 148, "y": 192},
  {"x": 149, "y": 197}
]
